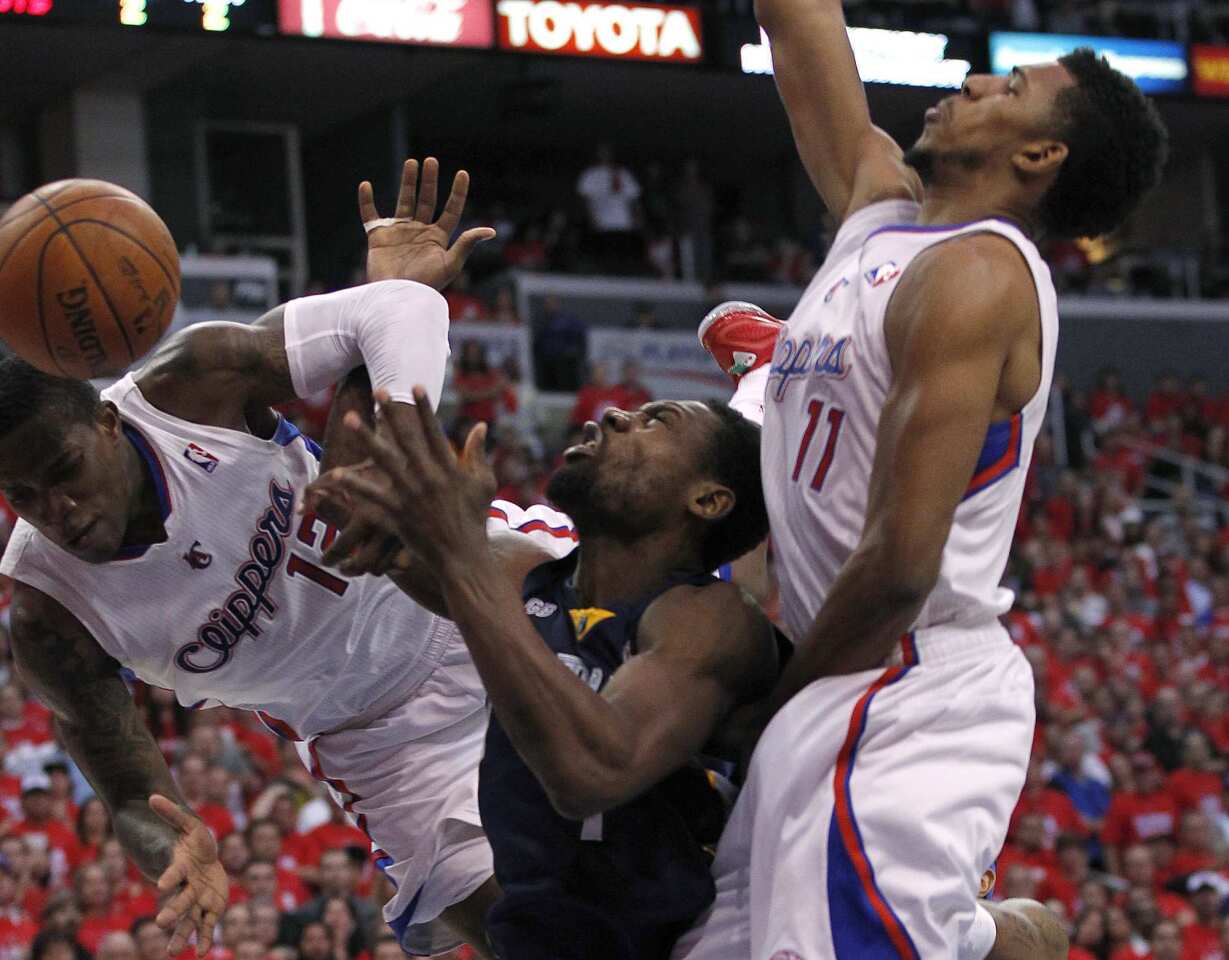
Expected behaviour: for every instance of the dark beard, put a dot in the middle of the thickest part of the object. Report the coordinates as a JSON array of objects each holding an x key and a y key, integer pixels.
[{"x": 576, "y": 489}]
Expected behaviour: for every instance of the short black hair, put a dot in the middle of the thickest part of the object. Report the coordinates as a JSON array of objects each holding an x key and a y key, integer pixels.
[
  {"x": 27, "y": 392},
  {"x": 733, "y": 460},
  {"x": 1117, "y": 148}
]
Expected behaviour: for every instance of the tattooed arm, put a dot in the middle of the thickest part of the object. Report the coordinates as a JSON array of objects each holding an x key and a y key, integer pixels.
[
  {"x": 1026, "y": 930},
  {"x": 99, "y": 724}
]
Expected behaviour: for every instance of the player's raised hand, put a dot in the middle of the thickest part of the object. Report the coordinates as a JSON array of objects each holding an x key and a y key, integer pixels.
[
  {"x": 411, "y": 245},
  {"x": 435, "y": 501},
  {"x": 195, "y": 880}
]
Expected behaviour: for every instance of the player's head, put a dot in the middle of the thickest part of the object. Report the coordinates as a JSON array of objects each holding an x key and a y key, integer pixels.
[
  {"x": 61, "y": 463},
  {"x": 1076, "y": 142},
  {"x": 688, "y": 467}
]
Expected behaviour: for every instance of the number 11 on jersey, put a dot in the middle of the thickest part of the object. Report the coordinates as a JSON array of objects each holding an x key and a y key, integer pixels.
[{"x": 835, "y": 418}]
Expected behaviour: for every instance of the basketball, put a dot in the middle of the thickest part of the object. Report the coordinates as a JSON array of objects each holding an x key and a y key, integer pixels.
[{"x": 89, "y": 278}]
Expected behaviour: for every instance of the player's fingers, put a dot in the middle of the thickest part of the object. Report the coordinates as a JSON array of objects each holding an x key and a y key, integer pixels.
[
  {"x": 205, "y": 923},
  {"x": 180, "y": 934},
  {"x": 367, "y": 202},
  {"x": 405, "y": 429},
  {"x": 474, "y": 451},
  {"x": 171, "y": 812},
  {"x": 459, "y": 252},
  {"x": 409, "y": 189},
  {"x": 433, "y": 434},
  {"x": 350, "y": 539},
  {"x": 172, "y": 876},
  {"x": 390, "y": 459},
  {"x": 177, "y": 907},
  {"x": 378, "y": 503},
  {"x": 428, "y": 189},
  {"x": 368, "y": 558},
  {"x": 454, "y": 207}
]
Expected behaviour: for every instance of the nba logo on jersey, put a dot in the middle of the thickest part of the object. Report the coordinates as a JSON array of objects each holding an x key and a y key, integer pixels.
[
  {"x": 201, "y": 457},
  {"x": 884, "y": 273}
]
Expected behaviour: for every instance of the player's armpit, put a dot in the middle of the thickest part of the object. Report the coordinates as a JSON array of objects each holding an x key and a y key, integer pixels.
[
  {"x": 702, "y": 652},
  {"x": 219, "y": 373},
  {"x": 97, "y": 721},
  {"x": 851, "y": 163},
  {"x": 1026, "y": 930}
]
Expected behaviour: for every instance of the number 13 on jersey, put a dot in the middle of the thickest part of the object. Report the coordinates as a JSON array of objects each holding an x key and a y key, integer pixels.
[{"x": 835, "y": 418}]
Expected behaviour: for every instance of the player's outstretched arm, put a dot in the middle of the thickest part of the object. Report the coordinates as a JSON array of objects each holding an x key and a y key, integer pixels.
[
  {"x": 953, "y": 320},
  {"x": 850, "y": 161},
  {"x": 104, "y": 732},
  {"x": 229, "y": 374},
  {"x": 1026, "y": 930}
]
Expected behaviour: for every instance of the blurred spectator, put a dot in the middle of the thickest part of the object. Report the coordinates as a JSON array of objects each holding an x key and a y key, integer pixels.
[
  {"x": 1201, "y": 938},
  {"x": 151, "y": 941},
  {"x": 1089, "y": 794},
  {"x": 1166, "y": 941},
  {"x": 527, "y": 251},
  {"x": 99, "y": 915},
  {"x": 611, "y": 193},
  {"x": 53, "y": 945},
  {"x": 117, "y": 945},
  {"x": 597, "y": 395},
  {"x": 695, "y": 205},
  {"x": 632, "y": 392},
  {"x": 560, "y": 344},
  {"x": 504, "y": 309},
  {"x": 1109, "y": 407},
  {"x": 315, "y": 942},
  {"x": 42, "y": 831},
  {"x": 463, "y": 305},
  {"x": 1145, "y": 813},
  {"x": 746, "y": 258},
  {"x": 191, "y": 775},
  {"x": 481, "y": 390},
  {"x": 17, "y": 928}
]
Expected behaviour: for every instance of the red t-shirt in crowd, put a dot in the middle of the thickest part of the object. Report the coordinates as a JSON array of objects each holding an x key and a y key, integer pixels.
[
  {"x": 17, "y": 931},
  {"x": 217, "y": 819},
  {"x": 1056, "y": 809},
  {"x": 1196, "y": 790},
  {"x": 465, "y": 307},
  {"x": 485, "y": 411},
  {"x": 632, "y": 398},
  {"x": 1200, "y": 942},
  {"x": 1137, "y": 817},
  {"x": 331, "y": 836},
  {"x": 592, "y": 402},
  {"x": 93, "y": 929}
]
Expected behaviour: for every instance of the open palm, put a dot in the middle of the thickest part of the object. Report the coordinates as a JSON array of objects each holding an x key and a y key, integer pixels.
[{"x": 410, "y": 246}]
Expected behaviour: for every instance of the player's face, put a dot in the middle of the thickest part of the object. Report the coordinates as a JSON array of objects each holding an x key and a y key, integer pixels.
[
  {"x": 69, "y": 483},
  {"x": 993, "y": 117},
  {"x": 632, "y": 472}
]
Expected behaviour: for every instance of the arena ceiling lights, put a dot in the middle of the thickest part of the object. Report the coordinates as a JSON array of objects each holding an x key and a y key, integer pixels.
[
  {"x": 899, "y": 57},
  {"x": 1158, "y": 66}
]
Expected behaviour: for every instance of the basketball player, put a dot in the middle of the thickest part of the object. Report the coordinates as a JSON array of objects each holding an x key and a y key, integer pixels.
[
  {"x": 608, "y": 669},
  {"x": 901, "y": 407},
  {"x": 159, "y": 532}
]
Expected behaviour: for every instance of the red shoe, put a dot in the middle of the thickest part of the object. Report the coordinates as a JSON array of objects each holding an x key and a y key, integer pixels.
[{"x": 740, "y": 337}]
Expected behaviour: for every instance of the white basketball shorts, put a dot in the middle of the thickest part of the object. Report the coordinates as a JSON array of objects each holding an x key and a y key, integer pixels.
[
  {"x": 873, "y": 805},
  {"x": 409, "y": 780}
]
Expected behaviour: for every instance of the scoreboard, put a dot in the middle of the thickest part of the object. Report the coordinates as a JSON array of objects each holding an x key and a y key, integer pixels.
[{"x": 215, "y": 16}]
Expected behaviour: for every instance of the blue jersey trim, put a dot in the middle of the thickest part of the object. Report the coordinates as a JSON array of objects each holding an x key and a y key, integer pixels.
[
  {"x": 162, "y": 488},
  {"x": 286, "y": 434}
]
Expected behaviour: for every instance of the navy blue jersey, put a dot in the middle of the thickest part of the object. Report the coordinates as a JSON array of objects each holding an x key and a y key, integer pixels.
[{"x": 620, "y": 886}]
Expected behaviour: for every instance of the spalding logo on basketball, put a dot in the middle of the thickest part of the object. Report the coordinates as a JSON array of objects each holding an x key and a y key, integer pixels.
[{"x": 89, "y": 278}]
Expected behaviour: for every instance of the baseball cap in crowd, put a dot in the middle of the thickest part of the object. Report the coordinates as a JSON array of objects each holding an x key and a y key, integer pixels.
[
  {"x": 1207, "y": 880},
  {"x": 35, "y": 781}
]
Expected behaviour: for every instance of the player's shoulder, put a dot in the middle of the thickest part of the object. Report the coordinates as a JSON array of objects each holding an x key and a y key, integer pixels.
[
  {"x": 716, "y": 622},
  {"x": 953, "y": 286}
]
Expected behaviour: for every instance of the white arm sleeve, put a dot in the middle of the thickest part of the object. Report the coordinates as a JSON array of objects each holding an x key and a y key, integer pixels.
[{"x": 398, "y": 328}]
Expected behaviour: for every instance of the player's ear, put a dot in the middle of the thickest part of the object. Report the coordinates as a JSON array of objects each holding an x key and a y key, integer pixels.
[
  {"x": 107, "y": 417},
  {"x": 710, "y": 501},
  {"x": 1040, "y": 158}
]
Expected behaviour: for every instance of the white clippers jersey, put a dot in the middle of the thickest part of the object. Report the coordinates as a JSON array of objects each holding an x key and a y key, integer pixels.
[
  {"x": 829, "y": 380},
  {"x": 234, "y": 607}
]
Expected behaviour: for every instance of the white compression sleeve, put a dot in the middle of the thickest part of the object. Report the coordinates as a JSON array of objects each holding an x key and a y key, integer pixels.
[
  {"x": 398, "y": 328},
  {"x": 748, "y": 399}
]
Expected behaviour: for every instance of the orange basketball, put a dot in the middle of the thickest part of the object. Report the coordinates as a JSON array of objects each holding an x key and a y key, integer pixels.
[{"x": 89, "y": 278}]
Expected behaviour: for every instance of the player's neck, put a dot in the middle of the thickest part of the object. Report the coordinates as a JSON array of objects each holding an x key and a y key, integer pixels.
[
  {"x": 972, "y": 200},
  {"x": 611, "y": 571},
  {"x": 144, "y": 509}
]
